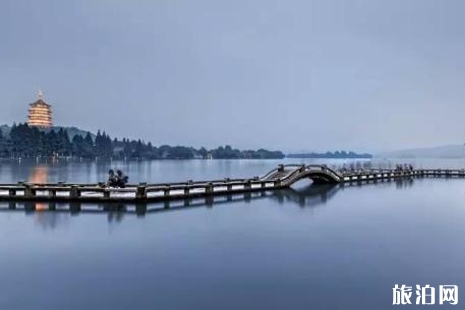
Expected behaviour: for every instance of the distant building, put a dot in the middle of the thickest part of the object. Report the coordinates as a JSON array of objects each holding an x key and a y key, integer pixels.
[{"x": 40, "y": 113}]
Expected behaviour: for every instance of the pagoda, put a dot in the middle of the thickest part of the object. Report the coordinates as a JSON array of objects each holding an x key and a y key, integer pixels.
[{"x": 40, "y": 113}]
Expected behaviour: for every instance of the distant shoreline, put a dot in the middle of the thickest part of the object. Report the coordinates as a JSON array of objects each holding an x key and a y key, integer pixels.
[
  {"x": 332, "y": 155},
  {"x": 47, "y": 158}
]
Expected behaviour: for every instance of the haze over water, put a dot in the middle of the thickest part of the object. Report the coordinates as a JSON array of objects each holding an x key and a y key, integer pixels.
[
  {"x": 303, "y": 248},
  {"x": 297, "y": 76}
]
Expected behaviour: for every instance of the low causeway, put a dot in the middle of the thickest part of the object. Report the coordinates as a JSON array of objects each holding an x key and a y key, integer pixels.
[{"x": 284, "y": 176}]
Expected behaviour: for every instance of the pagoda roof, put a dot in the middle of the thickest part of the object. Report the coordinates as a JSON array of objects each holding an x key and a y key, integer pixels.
[{"x": 40, "y": 102}]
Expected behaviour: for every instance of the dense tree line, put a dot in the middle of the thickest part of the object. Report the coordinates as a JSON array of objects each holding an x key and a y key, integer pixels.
[
  {"x": 229, "y": 153},
  {"x": 24, "y": 141}
]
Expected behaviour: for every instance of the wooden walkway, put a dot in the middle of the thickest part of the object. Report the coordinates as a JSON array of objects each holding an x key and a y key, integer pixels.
[{"x": 283, "y": 176}]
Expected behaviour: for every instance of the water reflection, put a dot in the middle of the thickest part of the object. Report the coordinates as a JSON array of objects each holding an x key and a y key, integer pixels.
[
  {"x": 50, "y": 220},
  {"x": 310, "y": 196},
  {"x": 39, "y": 175},
  {"x": 50, "y": 215},
  {"x": 404, "y": 183},
  {"x": 115, "y": 212},
  {"x": 47, "y": 214}
]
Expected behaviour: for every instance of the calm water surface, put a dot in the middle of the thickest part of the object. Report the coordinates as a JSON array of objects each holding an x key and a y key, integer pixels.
[{"x": 304, "y": 248}]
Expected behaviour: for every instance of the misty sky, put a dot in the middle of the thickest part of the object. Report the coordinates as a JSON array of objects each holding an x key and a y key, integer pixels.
[{"x": 289, "y": 75}]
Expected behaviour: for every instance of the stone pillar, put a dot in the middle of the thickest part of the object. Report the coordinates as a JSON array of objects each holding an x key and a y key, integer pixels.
[
  {"x": 141, "y": 192},
  {"x": 52, "y": 193},
  {"x": 209, "y": 189},
  {"x": 29, "y": 192},
  {"x": 74, "y": 192}
]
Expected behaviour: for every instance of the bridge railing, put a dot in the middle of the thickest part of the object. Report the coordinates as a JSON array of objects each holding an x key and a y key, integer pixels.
[
  {"x": 269, "y": 174},
  {"x": 289, "y": 179}
]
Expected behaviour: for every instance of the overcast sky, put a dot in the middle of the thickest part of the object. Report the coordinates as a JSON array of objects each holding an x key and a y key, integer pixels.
[{"x": 290, "y": 75}]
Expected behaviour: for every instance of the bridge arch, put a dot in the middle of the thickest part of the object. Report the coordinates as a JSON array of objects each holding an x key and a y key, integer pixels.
[{"x": 290, "y": 174}]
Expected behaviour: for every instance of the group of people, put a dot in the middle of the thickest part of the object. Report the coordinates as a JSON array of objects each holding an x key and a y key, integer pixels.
[
  {"x": 404, "y": 167},
  {"x": 117, "y": 179}
]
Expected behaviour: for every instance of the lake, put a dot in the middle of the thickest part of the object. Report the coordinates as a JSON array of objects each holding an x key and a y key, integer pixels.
[{"x": 308, "y": 247}]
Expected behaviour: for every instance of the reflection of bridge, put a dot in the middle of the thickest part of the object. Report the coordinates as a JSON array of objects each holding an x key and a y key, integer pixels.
[
  {"x": 282, "y": 177},
  {"x": 310, "y": 196}
]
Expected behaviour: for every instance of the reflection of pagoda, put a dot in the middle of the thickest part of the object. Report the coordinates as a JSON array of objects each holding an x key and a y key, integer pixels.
[
  {"x": 39, "y": 175},
  {"x": 40, "y": 113}
]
